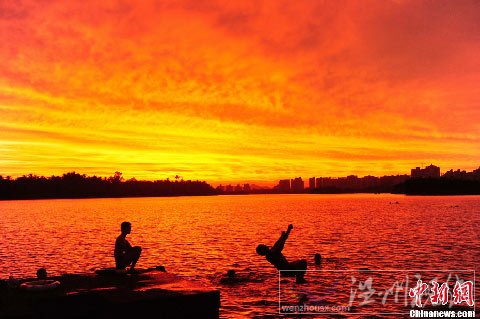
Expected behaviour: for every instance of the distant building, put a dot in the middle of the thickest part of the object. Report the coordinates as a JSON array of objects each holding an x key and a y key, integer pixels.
[
  {"x": 246, "y": 188},
  {"x": 370, "y": 181},
  {"x": 463, "y": 174},
  {"x": 311, "y": 183},
  {"x": 392, "y": 180},
  {"x": 323, "y": 182},
  {"x": 238, "y": 188},
  {"x": 431, "y": 171},
  {"x": 284, "y": 185},
  {"x": 416, "y": 172},
  {"x": 351, "y": 182},
  {"x": 476, "y": 173},
  {"x": 229, "y": 189},
  {"x": 297, "y": 184},
  {"x": 458, "y": 174},
  {"x": 355, "y": 183}
]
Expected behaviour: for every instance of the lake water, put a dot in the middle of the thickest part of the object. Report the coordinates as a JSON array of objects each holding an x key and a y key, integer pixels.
[{"x": 200, "y": 238}]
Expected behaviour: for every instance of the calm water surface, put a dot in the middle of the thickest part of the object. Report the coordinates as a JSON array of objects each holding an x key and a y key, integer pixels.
[{"x": 202, "y": 237}]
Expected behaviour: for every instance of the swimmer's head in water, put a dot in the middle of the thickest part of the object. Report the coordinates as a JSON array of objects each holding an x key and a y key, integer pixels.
[
  {"x": 231, "y": 273},
  {"x": 126, "y": 227},
  {"x": 262, "y": 250}
]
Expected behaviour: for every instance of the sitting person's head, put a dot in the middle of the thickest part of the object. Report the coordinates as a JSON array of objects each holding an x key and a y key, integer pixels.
[
  {"x": 126, "y": 228},
  {"x": 262, "y": 250},
  {"x": 42, "y": 273}
]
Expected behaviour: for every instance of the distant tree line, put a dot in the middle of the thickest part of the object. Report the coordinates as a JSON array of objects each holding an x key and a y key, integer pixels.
[{"x": 74, "y": 185}]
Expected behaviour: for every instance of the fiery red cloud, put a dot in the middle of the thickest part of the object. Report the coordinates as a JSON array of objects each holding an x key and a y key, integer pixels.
[{"x": 238, "y": 90}]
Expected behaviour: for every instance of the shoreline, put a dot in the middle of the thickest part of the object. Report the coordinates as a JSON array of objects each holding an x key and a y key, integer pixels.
[{"x": 234, "y": 194}]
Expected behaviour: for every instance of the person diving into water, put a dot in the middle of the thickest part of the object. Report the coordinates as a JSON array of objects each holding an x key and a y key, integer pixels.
[
  {"x": 125, "y": 254},
  {"x": 275, "y": 257}
]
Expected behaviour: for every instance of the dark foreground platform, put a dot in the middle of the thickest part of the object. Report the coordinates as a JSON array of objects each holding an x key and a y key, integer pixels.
[{"x": 149, "y": 294}]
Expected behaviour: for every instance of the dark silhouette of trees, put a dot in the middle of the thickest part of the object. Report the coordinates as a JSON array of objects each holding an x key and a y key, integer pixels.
[
  {"x": 74, "y": 185},
  {"x": 439, "y": 186}
]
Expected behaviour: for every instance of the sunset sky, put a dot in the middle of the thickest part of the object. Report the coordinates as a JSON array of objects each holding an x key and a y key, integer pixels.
[{"x": 234, "y": 91}]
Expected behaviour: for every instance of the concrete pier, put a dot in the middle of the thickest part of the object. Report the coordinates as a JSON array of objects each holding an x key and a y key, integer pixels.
[{"x": 148, "y": 294}]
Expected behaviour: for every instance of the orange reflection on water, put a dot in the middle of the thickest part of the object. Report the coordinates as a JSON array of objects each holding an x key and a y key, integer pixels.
[{"x": 202, "y": 237}]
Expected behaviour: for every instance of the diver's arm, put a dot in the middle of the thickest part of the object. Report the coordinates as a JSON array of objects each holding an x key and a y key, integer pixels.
[
  {"x": 290, "y": 227},
  {"x": 283, "y": 238}
]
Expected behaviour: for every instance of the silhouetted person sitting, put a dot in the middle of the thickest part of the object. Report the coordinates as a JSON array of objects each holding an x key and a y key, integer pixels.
[
  {"x": 125, "y": 254},
  {"x": 275, "y": 257}
]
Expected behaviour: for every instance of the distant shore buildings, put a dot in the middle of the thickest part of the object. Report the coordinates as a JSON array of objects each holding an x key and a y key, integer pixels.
[
  {"x": 295, "y": 185},
  {"x": 246, "y": 188},
  {"x": 351, "y": 183},
  {"x": 459, "y": 174},
  {"x": 284, "y": 185},
  {"x": 431, "y": 171}
]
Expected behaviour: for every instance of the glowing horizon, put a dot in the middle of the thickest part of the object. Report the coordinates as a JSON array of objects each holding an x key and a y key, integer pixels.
[{"x": 238, "y": 91}]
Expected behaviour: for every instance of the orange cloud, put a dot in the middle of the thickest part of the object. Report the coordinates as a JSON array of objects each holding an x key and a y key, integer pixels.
[{"x": 238, "y": 90}]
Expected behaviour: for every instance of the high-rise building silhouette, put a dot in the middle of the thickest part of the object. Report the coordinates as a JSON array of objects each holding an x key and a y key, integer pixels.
[
  {"x": 297, "y": 184},
  {"x": 284, "y": 185},
  {"x": 431, "y": 171}
]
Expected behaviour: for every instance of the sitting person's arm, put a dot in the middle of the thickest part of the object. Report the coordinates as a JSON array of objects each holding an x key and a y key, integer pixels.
[
  {"x": 278, "y": 247},
  {"x": 122, "y": 246}
]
